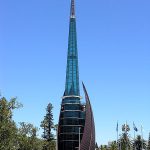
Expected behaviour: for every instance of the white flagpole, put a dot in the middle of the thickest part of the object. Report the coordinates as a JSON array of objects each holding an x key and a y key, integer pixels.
[
  {"x": 79, "y": 137},
  {"x": 134, "y": 141},
  {"x": 134, "y": 136},
  {"x": 117, "y": 137}
]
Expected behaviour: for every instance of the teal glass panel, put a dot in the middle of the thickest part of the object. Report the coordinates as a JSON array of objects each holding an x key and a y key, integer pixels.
[{"x": 72, "y": 73}]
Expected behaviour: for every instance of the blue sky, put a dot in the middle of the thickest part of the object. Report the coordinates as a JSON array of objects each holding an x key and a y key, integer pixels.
[{"x": 114, "y": 59}]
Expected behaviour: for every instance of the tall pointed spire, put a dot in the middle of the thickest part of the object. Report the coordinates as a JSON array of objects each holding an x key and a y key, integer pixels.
[
  {"x": 76, "y": 122},
  {"x": 72, "y": 73},
  {"x": 72, "y": 12}
]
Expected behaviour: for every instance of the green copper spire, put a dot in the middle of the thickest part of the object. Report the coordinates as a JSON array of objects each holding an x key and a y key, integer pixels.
[{"x": 72, "y": 73}]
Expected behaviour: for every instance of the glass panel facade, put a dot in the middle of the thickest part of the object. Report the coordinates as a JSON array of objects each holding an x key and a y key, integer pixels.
[
  {"x": 72, "y": 73},
  {"x": 71, "y": 107},
  {"x": 70, "y": 121},
  {"x": 76, "y": 101},
  {"x": 72, "y": 117},
  {"x": 71, "y": 114}
]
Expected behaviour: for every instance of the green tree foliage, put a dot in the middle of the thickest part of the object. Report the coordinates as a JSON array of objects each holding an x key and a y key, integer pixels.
[
  {"x": 124, "y": 142},
  {"x": 140, "y": 143},
  {"x": 113, "y": 146},
  {"x": 27, "y": 135},
  {"x": 8, "y": 129},
  {"x": 148, "y": 147},
  {"x": 96, "y": 146},
  {"x": 48, "y": 125},
  {"x": 103, "y": 147},
  {"x": 12, "y": 137}
]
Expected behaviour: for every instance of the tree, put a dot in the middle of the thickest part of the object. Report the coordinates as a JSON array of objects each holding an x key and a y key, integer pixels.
[
  {"x": 48, "y": 125},
  {"x": 113, "y": 146},
  {"x": 103, "y": 147},
  {"x": 8, "y": 129},
  {"x": 124, "y": 142},
  {"x": 148, "y": 147},
  {"x": 28, "y": 140},
  {"x": 11, "y": 137},
  {"x": 96, "y": 146},
  {"x": 140, "y": 143}
]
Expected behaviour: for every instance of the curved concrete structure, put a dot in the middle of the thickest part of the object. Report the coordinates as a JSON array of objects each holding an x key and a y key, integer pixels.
[{"x": 88, "y": 139}]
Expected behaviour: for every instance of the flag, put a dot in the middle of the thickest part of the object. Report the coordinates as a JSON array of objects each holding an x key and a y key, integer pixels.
[
  {"x": 117, "y": 127},
  {"x": 134, "y": 127}
]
